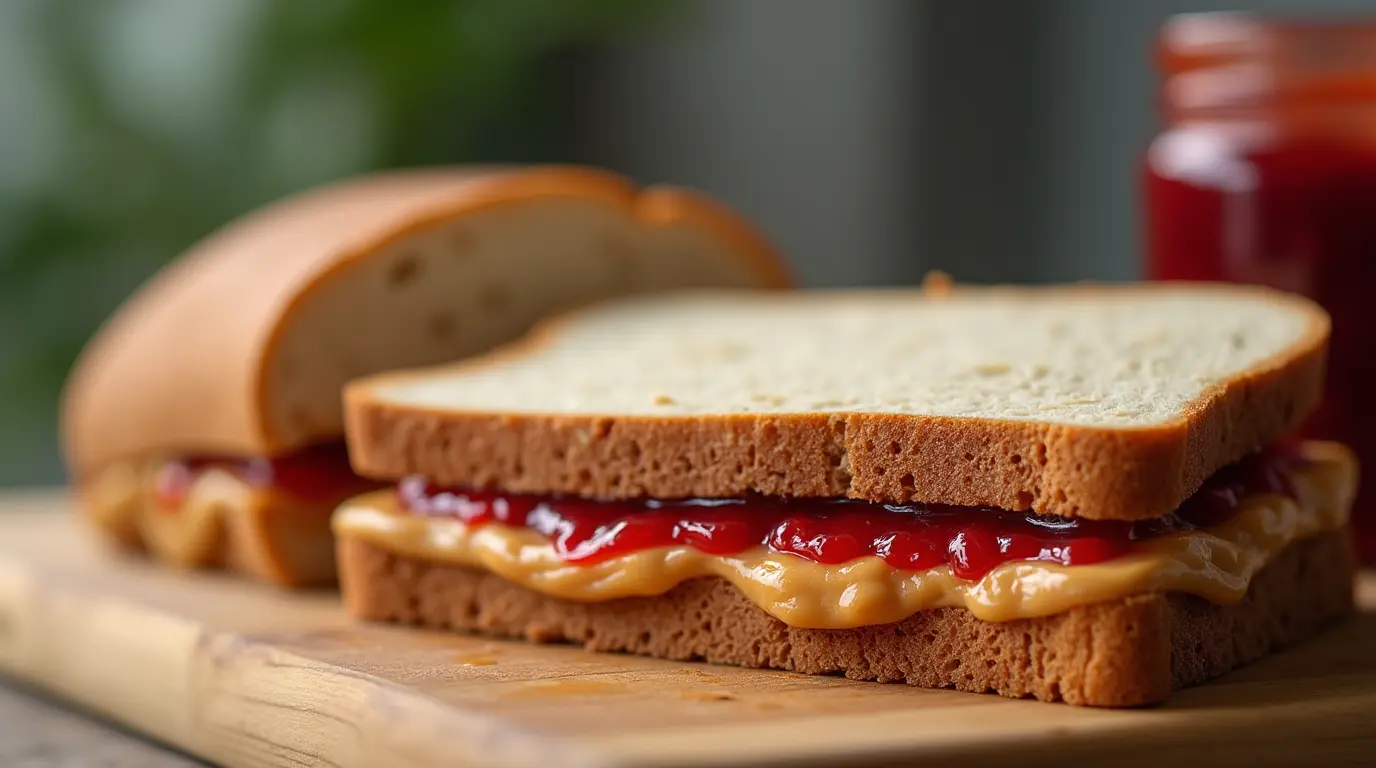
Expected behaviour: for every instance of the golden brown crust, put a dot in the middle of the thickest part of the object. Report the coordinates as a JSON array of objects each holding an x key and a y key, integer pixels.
[
  {"x": 1095, "y": 473},
  {"x": 182, "y": 366},
  {"x": 1127, "y": 653},
  {"x": 282, "y": 544}
]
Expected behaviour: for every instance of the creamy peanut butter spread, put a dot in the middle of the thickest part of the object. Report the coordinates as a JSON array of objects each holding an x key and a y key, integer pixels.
[
  {"x": 1216, "y": 564},
  {"x": 190, "y": 530},
  {"x": 122, "y": 500}
]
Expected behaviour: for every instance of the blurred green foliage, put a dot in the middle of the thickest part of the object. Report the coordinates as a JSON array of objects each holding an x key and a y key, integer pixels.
[{"x": 131, "y": 128}]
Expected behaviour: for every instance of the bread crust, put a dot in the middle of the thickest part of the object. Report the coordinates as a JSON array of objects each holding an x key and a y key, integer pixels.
[
  {"x": 182, "y": 367},
  {"x": 1072, "y": 471},
  {"x": 1130, "y": 652}
]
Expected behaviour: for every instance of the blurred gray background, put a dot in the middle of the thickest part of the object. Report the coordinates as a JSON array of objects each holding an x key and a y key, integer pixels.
[{"x": 873, "y": 139}]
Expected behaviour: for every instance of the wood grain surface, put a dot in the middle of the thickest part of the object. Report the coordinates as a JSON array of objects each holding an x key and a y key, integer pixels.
[{"x": 243, "y": 675}]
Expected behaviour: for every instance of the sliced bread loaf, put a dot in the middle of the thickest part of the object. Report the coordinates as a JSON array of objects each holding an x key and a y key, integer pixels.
[
  {"x": 1090, "y": 401},
  {"x": 242, "y": 346}
]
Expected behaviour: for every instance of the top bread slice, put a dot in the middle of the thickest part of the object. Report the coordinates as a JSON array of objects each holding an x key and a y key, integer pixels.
[
  {"x": 242, "y": 346},
  {"x": 1101, "y": 402}
]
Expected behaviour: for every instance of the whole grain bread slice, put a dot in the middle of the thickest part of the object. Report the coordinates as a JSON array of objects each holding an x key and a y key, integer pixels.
[
  {"x": 1100, "y": 402},
  {"x": 1125, "y": 653}
]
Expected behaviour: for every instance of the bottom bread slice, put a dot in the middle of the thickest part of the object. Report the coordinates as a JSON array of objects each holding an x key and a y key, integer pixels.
[{"x": 1125, "y": 653}]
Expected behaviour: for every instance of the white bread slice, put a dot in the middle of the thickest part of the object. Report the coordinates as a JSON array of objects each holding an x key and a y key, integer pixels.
[
  {"x": 1091, "y": 401},
  {"x": 242, "y": 346}
]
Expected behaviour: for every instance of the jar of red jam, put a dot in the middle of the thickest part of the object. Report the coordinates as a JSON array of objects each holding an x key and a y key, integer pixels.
[{"x": 1265, "y": 172}]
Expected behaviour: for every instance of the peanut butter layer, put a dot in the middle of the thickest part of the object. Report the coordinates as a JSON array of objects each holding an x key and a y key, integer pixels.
[
  {"x": 1216, "y": 564},
  {"x": 223, "y": 522}
]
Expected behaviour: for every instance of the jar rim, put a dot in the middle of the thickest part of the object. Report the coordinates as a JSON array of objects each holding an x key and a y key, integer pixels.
[{"x": 1235, "y": 60}]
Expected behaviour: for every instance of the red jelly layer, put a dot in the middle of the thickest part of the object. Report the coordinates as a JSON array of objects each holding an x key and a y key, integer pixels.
[
  {"x": 909, "y": 537},
  {"x": 316, "y": 474}
]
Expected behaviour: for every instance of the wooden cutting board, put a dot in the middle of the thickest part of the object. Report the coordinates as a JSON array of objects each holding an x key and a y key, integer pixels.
[{"x": 245, "y": 675}]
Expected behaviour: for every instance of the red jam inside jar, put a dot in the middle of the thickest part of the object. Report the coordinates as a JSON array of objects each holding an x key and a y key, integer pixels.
[
  {"x": 1265, "y": 172},
  {"x": 319, "y": 474},
  {"x": 910, "y": 537}
]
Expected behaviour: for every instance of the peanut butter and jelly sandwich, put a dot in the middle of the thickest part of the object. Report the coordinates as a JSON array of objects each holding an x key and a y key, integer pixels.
[
  {"x": 1087, "y": 494},
  {"x": 203, "y": 424}
]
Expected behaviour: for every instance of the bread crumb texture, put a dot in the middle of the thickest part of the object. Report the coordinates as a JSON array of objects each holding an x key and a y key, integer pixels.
[
  {"x": 1094, "y": 359},
  {"x": 1097, "y": 402}
]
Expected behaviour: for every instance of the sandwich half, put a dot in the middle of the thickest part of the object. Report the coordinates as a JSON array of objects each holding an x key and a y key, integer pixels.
[
  {"x": 203, "y": 423},
  {"x": 1084, "y": 494}
]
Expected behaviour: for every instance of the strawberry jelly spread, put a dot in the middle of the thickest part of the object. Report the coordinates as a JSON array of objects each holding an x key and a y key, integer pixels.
[
  {"x": 316, "y": 474},
  {"x": 910, "y": 537}
]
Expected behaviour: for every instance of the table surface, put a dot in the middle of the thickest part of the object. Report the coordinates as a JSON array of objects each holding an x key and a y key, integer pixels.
[{"x": 36, "y": 731}]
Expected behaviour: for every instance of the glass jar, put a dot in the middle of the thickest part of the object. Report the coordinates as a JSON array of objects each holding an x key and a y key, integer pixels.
[{"x": 1265, "y": 172}]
